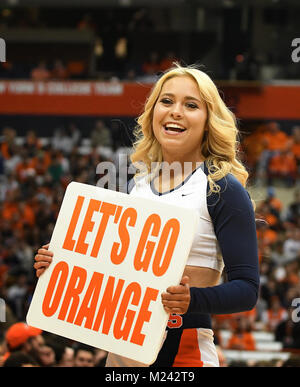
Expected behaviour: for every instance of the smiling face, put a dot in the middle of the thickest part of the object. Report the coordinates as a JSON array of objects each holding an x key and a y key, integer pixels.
[{"x": 179, "y": 119}]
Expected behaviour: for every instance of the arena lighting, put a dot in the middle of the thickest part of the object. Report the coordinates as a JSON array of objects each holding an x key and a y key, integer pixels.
[
  {"x": 229, "y": 3},
  {"x": 239, "y": 58},
  {"x": 125, "y": 3},
  {"x": 12, "y": 2}
]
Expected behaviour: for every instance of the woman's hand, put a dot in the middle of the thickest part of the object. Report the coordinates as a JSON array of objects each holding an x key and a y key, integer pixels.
[
  {"x": 43, "y": 259},
  {"x": 177, "y": 299}
]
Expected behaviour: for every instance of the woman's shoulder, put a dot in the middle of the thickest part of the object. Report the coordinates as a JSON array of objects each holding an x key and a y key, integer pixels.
[
  {"x": 227, "y": 182},
  {"x": 231, "y": 193}
]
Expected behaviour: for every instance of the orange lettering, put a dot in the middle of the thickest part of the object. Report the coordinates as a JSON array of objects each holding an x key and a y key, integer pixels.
[
  {"x": 69, "y": 242},
  {"x": 153, "y": 221},
  {"x": 135, "y": 291},
  {"x": 108, "y": 305},
  {"x": 87, "y": 226},
  {"x": 116, "y": 257},
  {"x": 91, "y": 298},
  {"x": 75, "y": 287},
  {"x": 107, "y": 210},
  {"x": 159, "y": 268},
  {"x": 143, "y": 316},
  {"x": 60, "y": 273}
]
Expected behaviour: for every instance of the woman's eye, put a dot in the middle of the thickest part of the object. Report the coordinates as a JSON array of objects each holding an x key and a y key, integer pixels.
[
  {"x": 166, "y": 101},
  {"x": 191, "y": 105}
]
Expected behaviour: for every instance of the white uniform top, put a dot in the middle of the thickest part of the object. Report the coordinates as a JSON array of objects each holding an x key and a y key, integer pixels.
[{"x": 192, "y": 193}]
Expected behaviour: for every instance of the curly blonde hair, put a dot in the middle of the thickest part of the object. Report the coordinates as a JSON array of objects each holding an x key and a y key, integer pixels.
[{"x": 220, "y": 142}]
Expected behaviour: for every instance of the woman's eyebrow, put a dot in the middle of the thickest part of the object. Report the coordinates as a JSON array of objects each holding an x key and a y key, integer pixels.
[{"x": 186, "y": 97}]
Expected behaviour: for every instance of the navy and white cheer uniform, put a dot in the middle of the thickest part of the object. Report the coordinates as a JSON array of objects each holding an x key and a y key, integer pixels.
[{"x": 225, "y": 238}]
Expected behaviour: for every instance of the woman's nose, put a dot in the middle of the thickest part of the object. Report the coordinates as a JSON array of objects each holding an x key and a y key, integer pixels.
[{"x": 176, "y": 112}]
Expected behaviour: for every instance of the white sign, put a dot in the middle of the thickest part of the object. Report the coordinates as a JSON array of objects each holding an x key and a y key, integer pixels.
[{"x": 114, "y": 254}]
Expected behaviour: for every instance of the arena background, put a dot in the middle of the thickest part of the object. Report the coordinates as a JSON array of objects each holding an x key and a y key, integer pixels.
[{"x": 76, "y": 76}]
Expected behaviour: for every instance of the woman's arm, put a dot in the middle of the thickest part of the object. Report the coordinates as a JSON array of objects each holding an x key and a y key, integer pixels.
[{"x": 234, "y": 224}]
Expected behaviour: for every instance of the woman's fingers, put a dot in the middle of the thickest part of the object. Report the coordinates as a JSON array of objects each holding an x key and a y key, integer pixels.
[
  {"x": 39, "y": 272},
  {"x": 176, "y": 299},
  {"x": 41, "y": 264},
  {"x": 43, "y": 258},
  {"x": 44, "y": 252}
]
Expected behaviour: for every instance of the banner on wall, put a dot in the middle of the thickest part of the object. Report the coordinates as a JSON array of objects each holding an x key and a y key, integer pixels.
[
  {"x": 114, "y": 255},
  {"x": 248, "y": 100}
]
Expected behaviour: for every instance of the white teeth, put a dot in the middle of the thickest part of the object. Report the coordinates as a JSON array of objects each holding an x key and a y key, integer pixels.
[{"x": 175, "y": 126}]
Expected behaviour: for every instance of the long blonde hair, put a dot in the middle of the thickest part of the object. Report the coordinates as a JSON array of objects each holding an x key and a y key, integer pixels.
[{"x": 220, "y": 142}]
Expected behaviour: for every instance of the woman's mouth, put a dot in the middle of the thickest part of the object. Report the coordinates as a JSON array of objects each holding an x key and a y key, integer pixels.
[{"x": 173, "y": 129}]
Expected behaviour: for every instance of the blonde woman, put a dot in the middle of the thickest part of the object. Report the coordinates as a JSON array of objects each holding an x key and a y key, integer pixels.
[{"x": 186, "y": 149}]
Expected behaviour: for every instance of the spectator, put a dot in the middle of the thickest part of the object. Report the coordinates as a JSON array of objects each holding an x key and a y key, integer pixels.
[
  {"x": 62, "y": 141},
  {"x": 101, "y": 135},
  {"x": 47, "y": 356},
  {"x": 57, "y": 351},
  {"x": 283, "y": 166},
  {"x": 288, "y": 332},
  {"x": 55, "y": 168},
  {"x": 269, "y": 215},
  {"x": 67, "y": 359},
  {"x": 273, "y": 140},
  {"x": 40, "y": 72},
  {"x": 151, "y": 66},
  {"x": 84, "y": 356},
  {"x": 20, "y": 359},
  {"x": 242, "y": 337},
  {"x": 277, "y": 255},
  {"x": 293, "y": 211},
  {"x": 291, "y": 245},
  {"x": 100, "y": 357},
  {"x": 266, "y": 235},
  {"x": 59, "y": 71},
  {"x": 167, "y": 61},
  {"x": 17, "y": 296},
  {"x": 294, "y": 145},
  {"x": 274, "y": 314},
  {"x": 76, "y": 69},
  {"x": 40, "y": 163},
  {"x": 31, "y": 143},
  {"x": 8, "y": 142},
  {"x": 253, "y": 146},
  {"x": 140, "y": 21},
  {"x": 25, "y": 169},
  {"x": 276, "y": 205},
  {"x": 74, "y": 133},
  {"x": 24, "y": 338},
  {"x": 87, "y": 23}
]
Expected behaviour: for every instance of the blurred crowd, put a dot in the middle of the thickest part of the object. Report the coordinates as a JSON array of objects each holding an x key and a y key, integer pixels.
[
  {"x": 25, "y": 346},
  {"x": 130, "y": 43},
  {"x": 108, "y": 54},
  {"x": 34, "y": 174},
  {"x": 147, "y": 70},
  {"x": 273, "y": 155}
]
